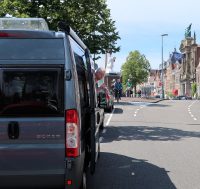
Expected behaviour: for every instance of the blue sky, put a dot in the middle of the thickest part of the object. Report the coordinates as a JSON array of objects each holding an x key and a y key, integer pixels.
[{"x": 141, "y": 22}]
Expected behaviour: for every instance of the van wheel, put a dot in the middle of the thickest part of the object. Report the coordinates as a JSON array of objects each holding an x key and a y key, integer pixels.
[
  {"x": 102, "y": 124},
  {"x": 84, "y": 180},
  {"x": 110, "y": 109},
  {"x": 99, "y": 149}
]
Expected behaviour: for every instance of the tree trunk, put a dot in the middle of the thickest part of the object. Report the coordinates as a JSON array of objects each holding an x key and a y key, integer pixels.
[{"x": 135, "y": 90}]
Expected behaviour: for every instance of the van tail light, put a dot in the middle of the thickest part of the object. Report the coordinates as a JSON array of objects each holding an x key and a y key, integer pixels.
[
  {"x": 72, "y": 140},
  {"x": 5, "y": 34}
]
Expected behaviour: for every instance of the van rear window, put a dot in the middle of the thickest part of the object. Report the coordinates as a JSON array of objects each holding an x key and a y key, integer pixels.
[
  {"x": 31, "y": 93},
  {"x": 31, "y": 49}
]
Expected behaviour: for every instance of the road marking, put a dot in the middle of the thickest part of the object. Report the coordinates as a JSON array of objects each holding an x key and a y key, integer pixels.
[
  {"x": 104, "y": 131},
  {"x": 135, "y": 115},
  {"x": 189, "y": 110},
  {"x": 110, "y": 117}
]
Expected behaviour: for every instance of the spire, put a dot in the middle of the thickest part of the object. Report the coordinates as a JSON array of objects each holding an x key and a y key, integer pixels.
[{"x": 194, "y": 37}]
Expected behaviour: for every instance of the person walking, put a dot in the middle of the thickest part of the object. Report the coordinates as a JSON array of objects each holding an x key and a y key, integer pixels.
[
  {"x": 128, "y": 88},
  {"x": 118, "y": 89}
]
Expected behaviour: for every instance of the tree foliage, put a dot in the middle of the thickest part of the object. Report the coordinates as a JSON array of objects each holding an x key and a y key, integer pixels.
[
  {"x": 136, "y": 68},
  {"x": 91, "y": 19},
  {"x": 194, "y": 89}
]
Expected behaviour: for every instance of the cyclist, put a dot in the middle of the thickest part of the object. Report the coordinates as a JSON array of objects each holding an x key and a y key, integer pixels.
[{"x": 118, "y": 88}]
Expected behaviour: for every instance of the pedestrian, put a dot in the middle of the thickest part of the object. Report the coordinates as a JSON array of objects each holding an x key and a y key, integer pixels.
[
  {"x": 118, "y": 88},
  {"x": 128, "y": 88}
]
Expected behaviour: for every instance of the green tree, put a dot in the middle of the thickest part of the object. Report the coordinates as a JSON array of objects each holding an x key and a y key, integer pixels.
[
  {"x": 136, "y": 68},
  {"x": 91, "y": 19},
  {"x": 194, "y": 89}
]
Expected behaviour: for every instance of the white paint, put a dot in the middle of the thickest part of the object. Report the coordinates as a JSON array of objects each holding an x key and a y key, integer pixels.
[
  {"x": 189, "y": 111},
  {"x": 108, "y": 122},
  {"x": 104, "y": 131}
]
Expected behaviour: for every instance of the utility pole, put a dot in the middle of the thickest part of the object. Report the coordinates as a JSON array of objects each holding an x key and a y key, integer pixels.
[{"x": 163, "y": 93}]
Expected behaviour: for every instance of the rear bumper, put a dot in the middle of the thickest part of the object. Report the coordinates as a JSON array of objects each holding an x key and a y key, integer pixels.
[
  {"x": 32, "y": 181},
  {"x": 50, "y": 181},
  {"x": 74, "y": 172}
]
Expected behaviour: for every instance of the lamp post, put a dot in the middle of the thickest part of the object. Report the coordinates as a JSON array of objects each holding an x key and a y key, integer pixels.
[{"x": 163, "y": 95}]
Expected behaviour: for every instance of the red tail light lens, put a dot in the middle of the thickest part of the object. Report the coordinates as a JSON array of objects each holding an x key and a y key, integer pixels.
[
  {"x": 4, "y": 34},
  {"x": 72, "y": 134}
]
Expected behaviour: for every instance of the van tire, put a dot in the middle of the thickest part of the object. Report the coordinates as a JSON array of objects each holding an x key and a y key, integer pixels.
[
  {"x": 102, "y": 124},
  {"x": 99, "y": 149},
  {"x": 84, "y": 180},
  {"x": 93, "y": 145}
]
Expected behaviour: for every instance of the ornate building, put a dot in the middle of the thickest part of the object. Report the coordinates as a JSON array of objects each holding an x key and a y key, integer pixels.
[{"x": 190, "y": 61}]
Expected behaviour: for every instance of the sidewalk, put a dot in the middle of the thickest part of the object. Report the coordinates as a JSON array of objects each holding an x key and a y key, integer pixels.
[{"x": 134, "y": 99}]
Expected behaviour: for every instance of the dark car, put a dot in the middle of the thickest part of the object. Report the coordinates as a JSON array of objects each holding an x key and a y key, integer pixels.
[
  {"x": 184, "y": 97},
  {"x": 106, "y": 98},
  {"x": 49, "y": 114}
]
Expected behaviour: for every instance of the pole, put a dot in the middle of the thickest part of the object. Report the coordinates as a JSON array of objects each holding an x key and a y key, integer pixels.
[{"x": 163, "y": 93}]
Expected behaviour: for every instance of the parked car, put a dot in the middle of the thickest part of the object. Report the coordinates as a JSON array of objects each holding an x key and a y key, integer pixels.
[
  {"x": 184, "y": 97},
  {"x": 157, "y": 96},
  {"x": 49, "y": 114},
  {"x": 106, "y": 99}
]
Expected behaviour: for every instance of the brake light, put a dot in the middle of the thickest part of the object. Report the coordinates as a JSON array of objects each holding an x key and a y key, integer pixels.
[
  {"x": 4, "y": 34},
  {"x": 72, "y": 133}
]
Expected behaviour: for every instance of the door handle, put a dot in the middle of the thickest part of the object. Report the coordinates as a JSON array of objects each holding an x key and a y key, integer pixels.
[{"x": 13, "y": 130}]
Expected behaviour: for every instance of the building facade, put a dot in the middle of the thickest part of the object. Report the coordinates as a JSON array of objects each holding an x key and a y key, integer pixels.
[{"x": 190, "y": 61}]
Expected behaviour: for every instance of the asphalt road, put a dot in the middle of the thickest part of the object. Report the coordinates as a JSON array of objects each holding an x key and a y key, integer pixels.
[{"x": 150, "y": 146}]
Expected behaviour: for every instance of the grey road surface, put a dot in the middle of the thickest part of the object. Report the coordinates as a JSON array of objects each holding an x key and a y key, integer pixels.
[{"x": 150, "y": 146}]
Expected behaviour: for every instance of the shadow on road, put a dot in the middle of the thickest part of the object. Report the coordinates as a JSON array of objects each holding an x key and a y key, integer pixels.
[
  {"x": 146, "y": 134},
  {"x": 121, "y": 172},
  {"x": 118, "y": 111},
  {"x": 159, "y": 105},
  {"x": 122, "y": 103}
]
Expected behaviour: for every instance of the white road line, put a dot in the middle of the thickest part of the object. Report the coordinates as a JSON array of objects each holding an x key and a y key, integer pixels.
[
  {"x": 110, "y": 117},
  {"x": 189, "y": 110},
  {"x": 104, "y": 131}
]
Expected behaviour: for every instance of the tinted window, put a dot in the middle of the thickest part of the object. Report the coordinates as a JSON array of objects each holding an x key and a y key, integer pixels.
[
  {"x": 31, "y": 93},
  {"x": 31, "y": 49}
]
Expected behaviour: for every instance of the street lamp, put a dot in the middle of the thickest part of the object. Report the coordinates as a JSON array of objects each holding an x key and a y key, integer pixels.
[{"x": 163, "y": 95}]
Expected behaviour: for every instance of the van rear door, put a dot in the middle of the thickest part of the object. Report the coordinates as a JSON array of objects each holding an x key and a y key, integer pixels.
[{"x": 32, "y": 139}]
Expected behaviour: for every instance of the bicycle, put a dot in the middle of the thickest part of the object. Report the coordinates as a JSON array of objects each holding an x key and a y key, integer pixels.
[{"x": 117, "y": 94}]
